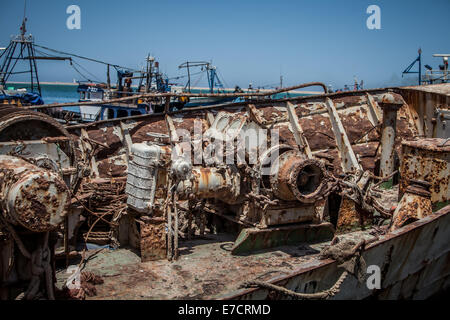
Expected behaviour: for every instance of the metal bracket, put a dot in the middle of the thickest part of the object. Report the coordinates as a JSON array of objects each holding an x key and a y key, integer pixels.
[
  {"x": 349, "y": 163},
  {"x": 374, "y": 110},
  {"x": 297, "y": 130},
  {"x": 83, "y": 145}
]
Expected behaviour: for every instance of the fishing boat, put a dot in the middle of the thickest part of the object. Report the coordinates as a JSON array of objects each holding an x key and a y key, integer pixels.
[
  {"x": 20, "y": 48},
  {"x": 93, "y": 92},
  {"x": 23, "y": 48},
  {"x": 214, "y": 84}
]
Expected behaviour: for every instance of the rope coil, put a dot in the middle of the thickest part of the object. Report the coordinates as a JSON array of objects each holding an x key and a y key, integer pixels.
[
  {"x": 298, "y": 295},
  {"x": 349, "y": 257}
]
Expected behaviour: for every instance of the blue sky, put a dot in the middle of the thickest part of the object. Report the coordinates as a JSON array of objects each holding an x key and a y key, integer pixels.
[{"x": 249, "y": 41}]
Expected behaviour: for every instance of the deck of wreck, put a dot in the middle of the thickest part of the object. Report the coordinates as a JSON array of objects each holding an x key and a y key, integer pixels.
[
  {"x": 204, "y": 270},
  {"x": 363, "y": 181},
  {"x": 414, "y": 261}
]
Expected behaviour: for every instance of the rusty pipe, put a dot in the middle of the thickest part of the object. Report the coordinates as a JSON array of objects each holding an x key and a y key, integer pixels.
[
  {"x": 162, "y": 95},
  {"x": 294, "y": 177}
]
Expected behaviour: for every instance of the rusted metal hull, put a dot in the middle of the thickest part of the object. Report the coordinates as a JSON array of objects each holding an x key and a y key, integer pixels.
[{"x": 414, "y": 261}]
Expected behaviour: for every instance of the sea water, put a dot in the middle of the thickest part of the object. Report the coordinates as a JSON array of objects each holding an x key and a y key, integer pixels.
[
  {"x": 54, "y": 93},
  {"x": 67, "y": 92}
]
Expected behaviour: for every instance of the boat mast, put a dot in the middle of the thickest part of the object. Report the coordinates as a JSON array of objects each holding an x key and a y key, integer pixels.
[
  {"x": 408, "y": 69},
  {"x": 25, "y": 45},
  {"x": 149, "y": 72},
  {"x": 211, "y": 76},
  {"x": 210, "y": 70}
]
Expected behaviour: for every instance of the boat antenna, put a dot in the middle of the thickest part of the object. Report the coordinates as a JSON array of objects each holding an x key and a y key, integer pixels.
[{"x": 23, "y": 29}]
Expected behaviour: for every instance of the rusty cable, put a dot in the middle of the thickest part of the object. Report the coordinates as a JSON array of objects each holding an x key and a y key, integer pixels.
[
  {"x": 87, "y": 237},
  {"x": 40, "y": 264},
  {"x": 365, "y": 134},
  {"x": 365, "y": 199},
  {"x": 325, "y": 134},
  {"x": 16, "y": 237},
  {"x": 241, "y": 222},
  {"x": 95, "y": 214},
  {"x": 99, "y": 217},
  {"x": 445, "y": 142},
  {"x": 261, "y": 200},
  {"x": 298, "y": 295},
  {"x": 47, "y": 268},
  {"x": 383, "y": 179}
]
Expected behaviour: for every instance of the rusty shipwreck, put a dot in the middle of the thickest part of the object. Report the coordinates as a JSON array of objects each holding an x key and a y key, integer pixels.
[{"x": 351, "y": 180}]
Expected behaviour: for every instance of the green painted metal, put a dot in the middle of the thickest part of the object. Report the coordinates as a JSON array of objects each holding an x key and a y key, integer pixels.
[
  {"x": 253, "y": 239},
  {"x": 439, "y": 205},
  {"x": 387, "y": 185}
]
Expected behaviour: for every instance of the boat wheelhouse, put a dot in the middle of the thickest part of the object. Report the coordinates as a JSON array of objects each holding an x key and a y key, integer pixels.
[{"x": 99, "y": 92}]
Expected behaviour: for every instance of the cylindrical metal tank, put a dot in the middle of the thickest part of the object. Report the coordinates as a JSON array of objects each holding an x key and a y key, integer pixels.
[
  {"x": 32, "y": 197},
  {"x": 210, "y": 182}
]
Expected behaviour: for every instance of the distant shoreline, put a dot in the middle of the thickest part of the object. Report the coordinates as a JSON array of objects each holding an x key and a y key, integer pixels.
[
  {"x": 49, "y": 83},
  {"x": 195, "y": 88}
]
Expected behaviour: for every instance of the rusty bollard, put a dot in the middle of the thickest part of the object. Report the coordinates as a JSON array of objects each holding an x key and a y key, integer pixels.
[{"x": 390, "y": 105}]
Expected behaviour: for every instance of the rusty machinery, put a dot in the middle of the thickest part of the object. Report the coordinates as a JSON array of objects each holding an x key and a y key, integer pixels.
[
  {"x": 290, "y": 196},
  {"x": 279, "y": 199},
  {"x": 37, "y": 176},
  {"x": 282, "y": 198}
]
